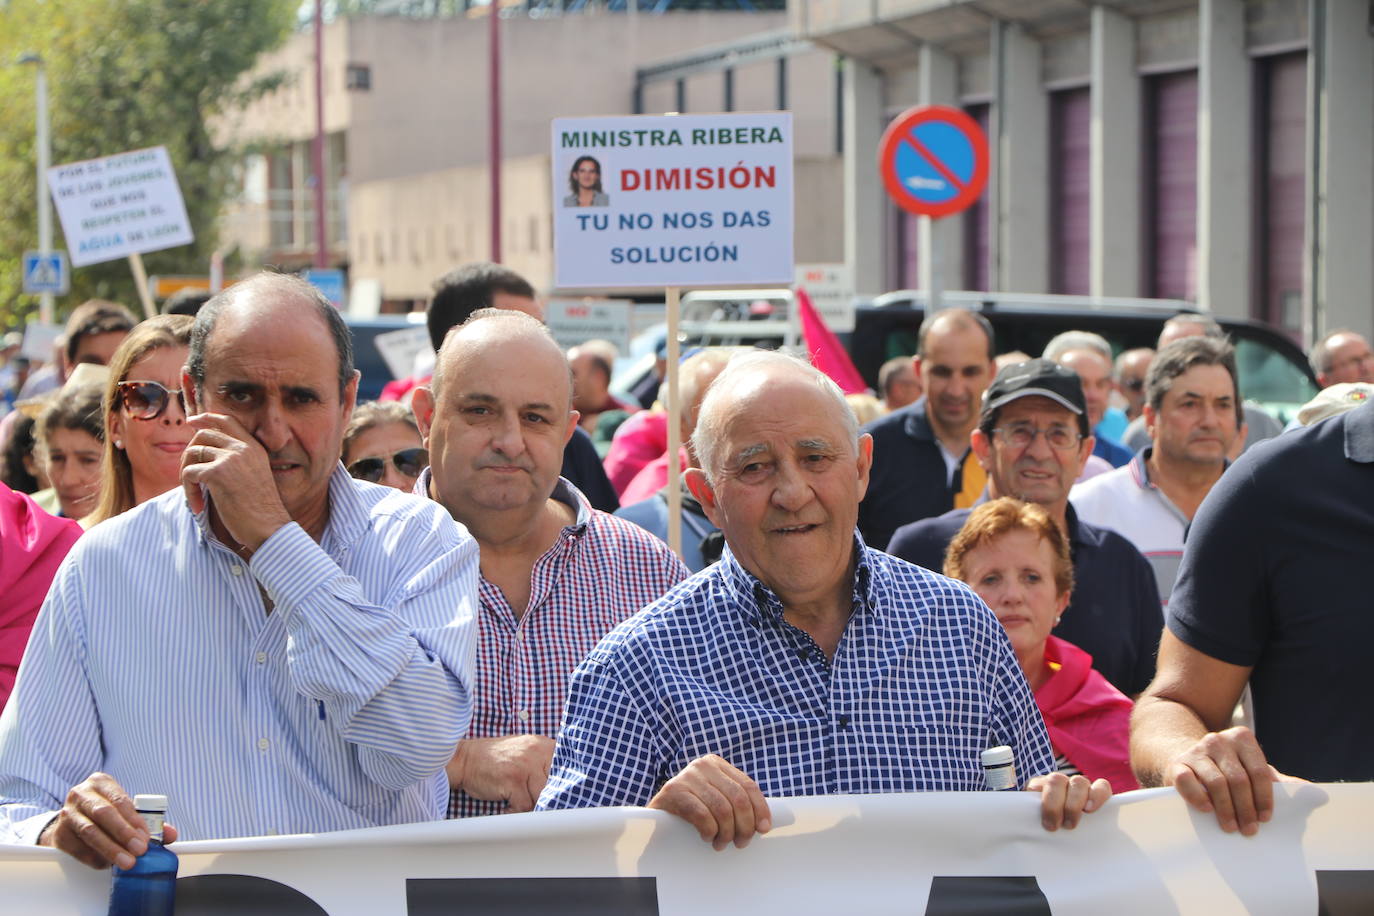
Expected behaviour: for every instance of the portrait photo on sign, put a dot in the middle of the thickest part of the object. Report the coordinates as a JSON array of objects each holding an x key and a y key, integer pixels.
[{"x": 584, "y": 183}]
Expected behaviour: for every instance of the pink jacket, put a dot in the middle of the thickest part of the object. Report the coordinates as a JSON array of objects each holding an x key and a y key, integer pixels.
[
  {"x": 639, "y": 440},
  {"x": 1088, "y": 719},
  {"x": 32, "y": 544}
]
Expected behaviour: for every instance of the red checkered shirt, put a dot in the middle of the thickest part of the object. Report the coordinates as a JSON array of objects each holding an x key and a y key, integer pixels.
[{"x": 601, "y": 570}]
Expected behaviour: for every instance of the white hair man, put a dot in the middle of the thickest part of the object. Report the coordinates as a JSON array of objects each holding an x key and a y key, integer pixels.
[
  {"x": 1090, "y": 356},
  {"x": 805, "y": 645}
]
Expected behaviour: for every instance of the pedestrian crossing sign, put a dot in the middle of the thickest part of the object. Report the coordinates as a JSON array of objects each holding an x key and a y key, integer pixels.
[{"x": 46, "y": 273}]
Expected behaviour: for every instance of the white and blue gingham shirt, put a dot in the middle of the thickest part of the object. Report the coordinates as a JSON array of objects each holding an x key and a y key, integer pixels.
[
  {"x": 923, "y": 680},
  {"x": 154, "y": 660}
]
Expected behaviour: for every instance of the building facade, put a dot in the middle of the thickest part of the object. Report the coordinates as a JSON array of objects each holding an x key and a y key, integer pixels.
[{"x": 1220, "y": 151}]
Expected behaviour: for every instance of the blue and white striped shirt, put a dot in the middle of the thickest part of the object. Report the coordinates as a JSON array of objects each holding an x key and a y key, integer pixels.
[
  {"x": 922, "y": 682},
  {"x": 154, "y": 660}
]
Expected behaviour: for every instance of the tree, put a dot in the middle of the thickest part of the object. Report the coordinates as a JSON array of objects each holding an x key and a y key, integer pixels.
[{"x": 123, "y": 75}]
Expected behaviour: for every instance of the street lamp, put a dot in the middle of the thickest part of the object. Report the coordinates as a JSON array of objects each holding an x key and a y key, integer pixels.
[{"x": 45, "y": 310}]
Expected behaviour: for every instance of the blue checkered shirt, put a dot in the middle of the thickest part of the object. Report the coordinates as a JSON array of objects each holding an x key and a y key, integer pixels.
[{"x": 923, "y": 680}]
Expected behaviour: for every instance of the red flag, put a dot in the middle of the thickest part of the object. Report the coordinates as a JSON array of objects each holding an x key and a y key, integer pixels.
[{"x": 824, "y": 348}]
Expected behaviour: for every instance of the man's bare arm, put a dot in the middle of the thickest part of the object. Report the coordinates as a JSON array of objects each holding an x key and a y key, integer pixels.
[{"x": 1179, "y": 737}]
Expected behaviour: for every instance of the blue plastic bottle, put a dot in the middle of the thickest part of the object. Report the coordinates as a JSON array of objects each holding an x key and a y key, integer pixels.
[{"x": 150, "y": 887}]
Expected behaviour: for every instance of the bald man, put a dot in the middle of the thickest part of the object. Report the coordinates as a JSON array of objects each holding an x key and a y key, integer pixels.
[{"x": 556, "y": 574}]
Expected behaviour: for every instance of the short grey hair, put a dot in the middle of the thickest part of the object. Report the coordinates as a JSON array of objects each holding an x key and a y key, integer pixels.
[
  {"x": 520, "y": 323},
  {"x": 711, "y": 419},
  {"x": 265, "y": 283},
  {"x": 1207, "y": 324},
  {"x": 1078, "y": 340}
]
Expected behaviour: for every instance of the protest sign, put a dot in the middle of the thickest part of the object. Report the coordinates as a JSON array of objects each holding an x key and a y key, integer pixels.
[
  {"x": 938, "y": 852},
  {"x": 672, "y": 200},
  {"x": 119, "y": 205}
]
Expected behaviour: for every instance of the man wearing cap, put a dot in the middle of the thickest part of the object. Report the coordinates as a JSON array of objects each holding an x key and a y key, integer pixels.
[
  {"x": 1192, "y": 410},
  {"x": 1033, "y": 440}
]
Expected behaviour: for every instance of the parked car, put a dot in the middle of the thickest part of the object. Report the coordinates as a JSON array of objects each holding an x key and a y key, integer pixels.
[
  {"x": 369, "y": 359},
  {"x": 1274, "y": 372}
]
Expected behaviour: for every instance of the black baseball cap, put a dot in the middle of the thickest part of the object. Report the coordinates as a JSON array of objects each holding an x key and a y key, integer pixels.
[{"x": 1042, "y": 378}]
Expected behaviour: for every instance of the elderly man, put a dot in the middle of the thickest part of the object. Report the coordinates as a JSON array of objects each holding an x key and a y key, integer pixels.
[
  {"x": 1274, "y": 593},
  {"x": 1192, "y": 411},
  {"x": 922, "y": 465},
  {"x": 1033, "y": 439},
  {"x": 1342, "y": 356},
  {"x": 556, "y": 574},
  {"x": 591, "y": 369},
  {"x": 278, "y": 648},
  {"x": 700, "y": 539},
  {"x": 1090, "y": 356},
  {"x": 802, "y": 663}
]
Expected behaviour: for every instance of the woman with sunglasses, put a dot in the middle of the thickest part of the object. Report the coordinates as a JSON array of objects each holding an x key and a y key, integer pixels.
[
  {"x": 382, "y": 444},
  {"x": 145, "y": 416}
]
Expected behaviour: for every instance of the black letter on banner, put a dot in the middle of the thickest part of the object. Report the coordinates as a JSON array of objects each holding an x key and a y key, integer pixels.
[
  {"x": 223, "y": 895},
  {"x": 969, "y": 896},
  {"x": 533, "y": 896},
  {"x": 1345, "y": 893}
]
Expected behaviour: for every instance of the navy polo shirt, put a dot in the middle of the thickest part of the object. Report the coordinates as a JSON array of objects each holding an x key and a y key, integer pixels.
[
  {"x": 908, "y": 480},
  {"x": 1113, "y": 613},
  {"x": 1275, "y": 577}
]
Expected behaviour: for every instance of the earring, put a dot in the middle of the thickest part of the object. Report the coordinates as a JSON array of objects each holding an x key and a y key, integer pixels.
[
  {"x": 1057, "y": 619},
  {"x": 119, "y": 443}
]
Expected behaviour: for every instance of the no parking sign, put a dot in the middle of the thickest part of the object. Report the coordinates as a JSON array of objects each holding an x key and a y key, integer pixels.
[{"x": 934, "y": 160}]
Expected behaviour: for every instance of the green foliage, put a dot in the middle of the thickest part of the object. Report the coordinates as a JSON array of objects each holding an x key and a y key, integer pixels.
[{"x": 123, "y": 75}]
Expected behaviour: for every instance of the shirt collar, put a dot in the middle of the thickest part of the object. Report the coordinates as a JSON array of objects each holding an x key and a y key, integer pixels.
[
  {"x": 917, "y": 424},
  {"x": 759, "y": 603},
  {"x": 1359, "y": 434}
]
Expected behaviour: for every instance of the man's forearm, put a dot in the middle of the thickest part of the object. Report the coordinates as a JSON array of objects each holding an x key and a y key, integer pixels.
[{"x": 1161, "y": 730}]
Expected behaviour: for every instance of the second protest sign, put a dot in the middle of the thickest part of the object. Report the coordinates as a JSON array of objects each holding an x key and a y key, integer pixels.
[{"x": 672, "y": 200}]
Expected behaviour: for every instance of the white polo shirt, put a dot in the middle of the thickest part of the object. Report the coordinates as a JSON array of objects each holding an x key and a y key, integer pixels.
[{"x": 1127, "y": 502}]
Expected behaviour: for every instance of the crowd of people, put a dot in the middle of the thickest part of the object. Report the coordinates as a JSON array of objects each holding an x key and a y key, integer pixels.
[{"x": 290, "y": 612}]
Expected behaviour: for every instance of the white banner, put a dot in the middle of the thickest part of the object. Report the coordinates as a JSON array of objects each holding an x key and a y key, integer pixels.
[
  {"x": 119, "y": 205},
  {"x": 927, "y": 853},
  {"x": 680, "y": 200}
]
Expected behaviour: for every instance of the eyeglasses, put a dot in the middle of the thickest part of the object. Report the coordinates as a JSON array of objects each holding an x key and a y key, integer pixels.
[
  {"x": 147, "y": 400},
  {"x": 1021, "y": 436},
  {"x": 409, "y": 461},
  {"x": 1133, "y": 384}
]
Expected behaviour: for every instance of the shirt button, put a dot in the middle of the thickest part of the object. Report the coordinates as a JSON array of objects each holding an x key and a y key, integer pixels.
[
  {"x": 519, "y": 635},
  {"x": 238, "y": 570},
  {"x": 262, "y": 744},
  {"x": 261, "y": 657},
  {"x": 523, "y": 715}
]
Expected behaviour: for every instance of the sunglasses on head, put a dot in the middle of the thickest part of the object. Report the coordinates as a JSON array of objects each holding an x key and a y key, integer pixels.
[
  {"x": 147, "y": 400},
  {"x": 409, "y": 461}
]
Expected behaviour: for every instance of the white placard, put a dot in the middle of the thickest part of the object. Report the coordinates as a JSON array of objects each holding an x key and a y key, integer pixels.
[
  {"x": 683, "y": 200},
  {"x": 572, "y": 321},
  {"x": 400, "y": 347},
  {"x": 38, "y": 341},
  {"x": 930, "y": 852},
  {"x": 119, "y": 205},
  {"x": 831, "y": 288}
]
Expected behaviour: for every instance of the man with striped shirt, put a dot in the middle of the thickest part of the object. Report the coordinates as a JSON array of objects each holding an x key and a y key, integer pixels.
[
  {"x": 276, "y": 647},
  {"x": 556, "y": 574},
  {"x": 803, "y": 662}
]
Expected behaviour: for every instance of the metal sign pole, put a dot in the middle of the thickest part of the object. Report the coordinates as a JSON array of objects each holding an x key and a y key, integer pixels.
[{"x": 674, "y": 426}]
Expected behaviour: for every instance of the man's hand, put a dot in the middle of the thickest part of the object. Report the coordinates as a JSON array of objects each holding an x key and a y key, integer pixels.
[
  {"x": 228, "y": 461},
  {"x": 512, "y": 769},
  {"x": 99, "y": 826},
  {"x": 720, "y": 801},
  {"x": 1065, "y": 799},
  {"x": 1226, "y": 772}
]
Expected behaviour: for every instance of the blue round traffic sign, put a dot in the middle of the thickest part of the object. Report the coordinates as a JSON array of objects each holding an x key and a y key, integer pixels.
[{"x": 934, "y": 160}]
